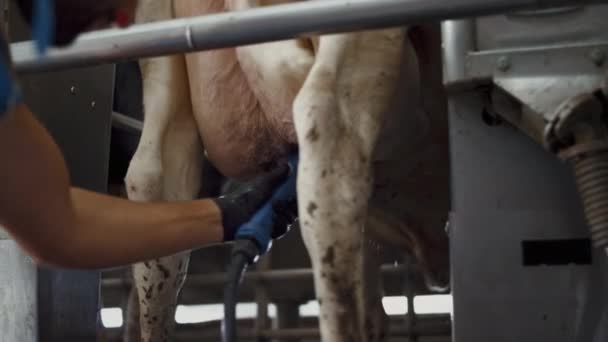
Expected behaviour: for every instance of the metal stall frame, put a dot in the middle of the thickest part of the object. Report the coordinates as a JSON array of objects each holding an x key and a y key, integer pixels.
[
  {"x": 534, "y": 266},
  {"x": 262, "y": 280},
  {"x": 262, "y": 25},
  {"x": 553, "y": 91}
]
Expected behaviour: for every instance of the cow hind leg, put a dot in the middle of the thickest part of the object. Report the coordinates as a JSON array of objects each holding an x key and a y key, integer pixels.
[{"x": 338, "y": 115}]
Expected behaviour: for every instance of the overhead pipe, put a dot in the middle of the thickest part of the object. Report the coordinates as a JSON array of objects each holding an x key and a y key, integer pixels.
[{"x": 260, "y": 25}]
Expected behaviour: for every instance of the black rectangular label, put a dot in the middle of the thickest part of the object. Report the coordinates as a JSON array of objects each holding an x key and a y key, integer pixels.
[{"x": 557, "y": 252}]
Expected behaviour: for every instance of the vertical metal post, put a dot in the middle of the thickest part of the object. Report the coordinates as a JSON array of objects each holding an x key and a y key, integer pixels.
[
  {"x": 261, "y": 297},
  {"x": 131, "y": 331},
  {"x": 288, "y": 316},
  {"x": 458, "y": 38},
  {"x": 410, "y": 318}
]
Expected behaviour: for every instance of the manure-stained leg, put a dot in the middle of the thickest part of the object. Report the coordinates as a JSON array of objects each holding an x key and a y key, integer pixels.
[
  {"x": 338, "y": 116},
  {"x": 160, "y": 281},
  {"x": 166, "y": 166},
  {"x": 173, "y": 146}
]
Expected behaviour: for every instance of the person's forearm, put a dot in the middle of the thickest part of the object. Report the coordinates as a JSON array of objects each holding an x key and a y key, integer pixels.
[
  {"x": 114, "y": 231},
  {"x": 79, "y": 229}
]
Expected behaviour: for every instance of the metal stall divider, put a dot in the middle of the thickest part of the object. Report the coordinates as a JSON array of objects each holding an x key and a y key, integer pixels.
[
  {"x": 75, "y": 106},
  {"x": 523, "y": 266}
]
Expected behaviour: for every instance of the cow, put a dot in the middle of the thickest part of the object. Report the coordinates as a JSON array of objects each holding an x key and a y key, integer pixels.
[{"x": 372, "y": 145}]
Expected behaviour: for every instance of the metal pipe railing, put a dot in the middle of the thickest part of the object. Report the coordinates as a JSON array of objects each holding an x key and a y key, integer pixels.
[
  {"x": 259, "y": 25},
  {"x": 430, "y": 326},
  {"x": 127, "y": 123},
  {"x": 212, "y": 279}
]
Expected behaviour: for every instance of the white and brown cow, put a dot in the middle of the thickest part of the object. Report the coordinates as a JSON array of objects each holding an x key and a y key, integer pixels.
[{"x": 353, "y": 104}]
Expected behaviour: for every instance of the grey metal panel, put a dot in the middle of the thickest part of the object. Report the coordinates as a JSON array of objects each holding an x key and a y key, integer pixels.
[
  {"x": 18, "y": 309},
  {"x": 557, "y": 303},
  {"x": 76, "y": 106},
  {"x": 497, "y": 168},
  {"x": 507, "y": 189}
]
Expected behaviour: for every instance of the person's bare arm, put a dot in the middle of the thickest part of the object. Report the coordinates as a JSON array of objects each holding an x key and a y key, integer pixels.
[{"x": 80, "y": 229}]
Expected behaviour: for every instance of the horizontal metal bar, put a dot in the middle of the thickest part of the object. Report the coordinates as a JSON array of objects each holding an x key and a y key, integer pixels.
[
  {"x": 127, "y": 123},
  {"x": 253, "y": 276},
  {"x": 261, "y": 25},
  {"x": 202, "y": 289},
  {"x": 430, "y": 326},
  {"x": 435, "y": 329}
]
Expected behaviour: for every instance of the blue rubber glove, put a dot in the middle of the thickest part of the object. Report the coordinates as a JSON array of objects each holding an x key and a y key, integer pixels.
[
  {"x": 238, "y": 206},
  {"x": 274, "y": 213}
]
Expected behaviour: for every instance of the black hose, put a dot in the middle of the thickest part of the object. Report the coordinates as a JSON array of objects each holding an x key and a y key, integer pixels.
[
  {"x": 236, "y": 270},
  {"x": 244, "y": 253}
]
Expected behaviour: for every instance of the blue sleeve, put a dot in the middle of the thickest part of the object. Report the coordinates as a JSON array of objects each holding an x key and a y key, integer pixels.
[{"x": 10, "y": 94}]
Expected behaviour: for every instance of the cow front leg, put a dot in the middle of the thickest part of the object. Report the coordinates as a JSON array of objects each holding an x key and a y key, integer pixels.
[
  {"x": 166, "y": 166},
  {"x": 338, "y": 116},
  {"x": 160, "y": 281}
]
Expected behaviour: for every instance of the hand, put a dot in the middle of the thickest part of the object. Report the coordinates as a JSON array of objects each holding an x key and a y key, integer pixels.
[
  {"x": 274, "y": 218},
  {"x": 239, "y": 206}
]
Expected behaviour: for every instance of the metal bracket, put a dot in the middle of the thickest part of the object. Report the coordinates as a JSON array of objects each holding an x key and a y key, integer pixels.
[{"x": 543, "y": 77}]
